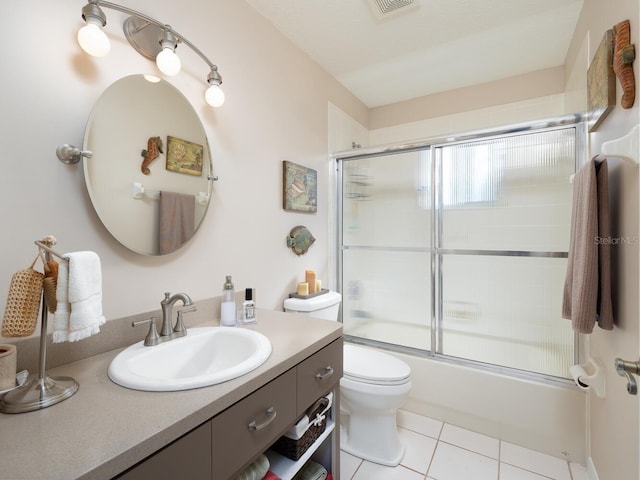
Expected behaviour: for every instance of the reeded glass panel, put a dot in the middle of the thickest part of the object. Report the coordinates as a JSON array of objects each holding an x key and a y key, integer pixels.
[
  {"x": 384, "y": 201},
  {"x": 386, "y": 249},
  {"x": 386, "y": 296},
  {"x": 506, "y": 311},
  {"x": 510, "y": 193}
]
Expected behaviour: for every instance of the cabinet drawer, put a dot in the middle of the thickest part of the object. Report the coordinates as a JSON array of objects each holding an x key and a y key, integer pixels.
[
  {"x": 318, "y": 374},
  {"x": 251, "y": 425},
  {"x": 188, "y": 457}
]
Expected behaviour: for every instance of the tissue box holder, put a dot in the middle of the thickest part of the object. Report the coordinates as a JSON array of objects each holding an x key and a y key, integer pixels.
[{"x": 294, "y": 448}]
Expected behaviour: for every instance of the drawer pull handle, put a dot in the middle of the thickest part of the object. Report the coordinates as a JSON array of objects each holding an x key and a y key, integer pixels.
[
  {"x": 271, "y": 416},
  {"x": 328, "y": 371}
]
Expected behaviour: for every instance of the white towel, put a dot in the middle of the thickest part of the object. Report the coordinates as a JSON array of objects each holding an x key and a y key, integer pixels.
[{"x": 79, "y": 295}]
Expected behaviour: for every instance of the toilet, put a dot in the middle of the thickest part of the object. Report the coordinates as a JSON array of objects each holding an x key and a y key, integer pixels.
[{"x": 374, "y": 385}]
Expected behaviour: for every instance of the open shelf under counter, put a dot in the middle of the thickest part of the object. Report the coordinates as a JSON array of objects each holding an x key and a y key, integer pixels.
[{"x": 285, "y": 468}]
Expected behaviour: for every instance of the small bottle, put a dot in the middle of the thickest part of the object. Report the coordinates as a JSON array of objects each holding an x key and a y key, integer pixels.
[
  {"x": 249, "y": 307},
  {"x": 228, "y": 304}
]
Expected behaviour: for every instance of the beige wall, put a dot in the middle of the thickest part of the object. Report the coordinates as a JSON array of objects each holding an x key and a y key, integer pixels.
[
  {"x": 540, "y": 83},
  {"x": 276, "y": 110},
  {"x": 613, "y": 421}
]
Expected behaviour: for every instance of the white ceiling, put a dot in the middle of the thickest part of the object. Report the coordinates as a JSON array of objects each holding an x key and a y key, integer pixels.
[{"x": 439, "y": 45}]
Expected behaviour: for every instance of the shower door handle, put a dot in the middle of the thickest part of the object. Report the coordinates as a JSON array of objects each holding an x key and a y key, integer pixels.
[{"x": 628, "y": 369}]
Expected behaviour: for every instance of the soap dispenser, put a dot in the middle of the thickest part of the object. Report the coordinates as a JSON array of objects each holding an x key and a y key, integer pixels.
[{"x": 228, "y": 304}]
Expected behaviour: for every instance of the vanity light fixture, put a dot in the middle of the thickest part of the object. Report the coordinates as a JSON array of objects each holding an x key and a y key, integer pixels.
[
  {"x": 91, "y": 37},
  {"x": 150, "y": 38},
  {"x": 167, "y": 60}
]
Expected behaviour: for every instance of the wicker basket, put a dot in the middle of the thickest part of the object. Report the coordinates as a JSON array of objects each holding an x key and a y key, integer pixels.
[
  {"x": 23, "y": 303},
  {"x": 295, "y": 448}
]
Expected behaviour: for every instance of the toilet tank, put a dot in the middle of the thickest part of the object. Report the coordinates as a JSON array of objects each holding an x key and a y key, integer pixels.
[{"x": 326, "y": 305}]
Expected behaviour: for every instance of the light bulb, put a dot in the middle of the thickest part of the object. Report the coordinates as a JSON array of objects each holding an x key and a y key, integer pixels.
[
  {"x": 168, "y": 62},
  {"x": 214, "y": 96},
  {"x": 93, "y": 40}
]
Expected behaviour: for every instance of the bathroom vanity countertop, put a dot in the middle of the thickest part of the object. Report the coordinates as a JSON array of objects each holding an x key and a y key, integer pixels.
[{"x": 104, "y": 428}]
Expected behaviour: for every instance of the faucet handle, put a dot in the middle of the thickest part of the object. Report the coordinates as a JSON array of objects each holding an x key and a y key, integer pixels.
[
  {"x": 180, "y": 329},
  {"x": 152, "y": 337}
]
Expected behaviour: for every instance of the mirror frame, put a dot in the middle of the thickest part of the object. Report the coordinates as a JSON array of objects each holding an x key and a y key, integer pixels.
[{"x": 126, "y": 118}]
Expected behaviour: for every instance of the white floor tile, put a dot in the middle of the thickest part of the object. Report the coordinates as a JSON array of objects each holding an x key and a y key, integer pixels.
[
  {"x": 509, "y": 472},
  {"x": 418, "y": 423},
  {"x": 418, "y": 450},
  {"x": 469, "y": 440},
  {"x": 459, "y": 455},
  {"x": 373, "y": 471},
  {"x": 454, "y": 463},
  {"x": 533, "y": 461},
  {"x": 348, "y": 465}
]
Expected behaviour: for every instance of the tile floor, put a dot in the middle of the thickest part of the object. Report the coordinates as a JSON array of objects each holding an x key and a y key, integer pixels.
[{"x": 439, "y": 451}]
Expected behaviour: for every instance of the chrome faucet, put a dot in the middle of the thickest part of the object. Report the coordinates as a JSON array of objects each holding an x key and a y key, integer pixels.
[{"x": 167, "y": 331}]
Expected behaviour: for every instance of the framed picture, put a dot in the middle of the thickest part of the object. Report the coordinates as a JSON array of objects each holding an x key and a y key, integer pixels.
[
  {"x": 299, "y": 188},
  {"x": 184, "y": 156},
  {"x": 601, "y": 83}
]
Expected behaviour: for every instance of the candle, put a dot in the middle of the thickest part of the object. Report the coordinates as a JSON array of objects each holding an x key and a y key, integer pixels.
[
  {"x": 303, "y": 288},
  {"x": 318, "y": 286},
  {"x": 310, "y": 277}
]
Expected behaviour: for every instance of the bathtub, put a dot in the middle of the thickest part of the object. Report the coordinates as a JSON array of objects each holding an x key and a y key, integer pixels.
[{"x": 547, "y": 417}]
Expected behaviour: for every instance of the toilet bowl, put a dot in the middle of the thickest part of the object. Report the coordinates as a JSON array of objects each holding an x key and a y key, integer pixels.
[{"x": 374, "y": 385}]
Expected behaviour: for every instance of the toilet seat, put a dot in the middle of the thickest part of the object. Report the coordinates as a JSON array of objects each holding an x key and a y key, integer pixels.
[{"x": 374, "y": 367}]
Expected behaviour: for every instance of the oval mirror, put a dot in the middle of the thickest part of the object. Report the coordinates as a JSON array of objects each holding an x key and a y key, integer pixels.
[{"x": 150, "y": 175}]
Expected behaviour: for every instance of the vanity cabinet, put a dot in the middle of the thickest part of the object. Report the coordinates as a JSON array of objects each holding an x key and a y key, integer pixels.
[
  {"x": 317, "y": 375},
  {"x": 222, "y": 446},
  {"x": 251, "y": 425},
  {"x": 188, "y": 457}
]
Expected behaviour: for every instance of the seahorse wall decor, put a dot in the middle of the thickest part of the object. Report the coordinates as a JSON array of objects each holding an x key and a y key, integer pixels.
[
  {"x": 624, "y": 53},
  {"x": 153, "y": 150}
]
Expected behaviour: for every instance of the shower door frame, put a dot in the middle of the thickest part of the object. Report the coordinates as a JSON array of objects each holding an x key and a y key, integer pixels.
[{"x": 432, "y": 145}]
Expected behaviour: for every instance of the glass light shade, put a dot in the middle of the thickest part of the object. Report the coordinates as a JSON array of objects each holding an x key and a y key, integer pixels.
[
  {"x": 214, "y": 96},
  {"x": 168, "y": 62},
  {"x": 93, "y": 40}
]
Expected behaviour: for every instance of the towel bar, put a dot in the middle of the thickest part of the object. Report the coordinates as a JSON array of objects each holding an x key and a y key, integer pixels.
[{"x": 40, "y": 390}]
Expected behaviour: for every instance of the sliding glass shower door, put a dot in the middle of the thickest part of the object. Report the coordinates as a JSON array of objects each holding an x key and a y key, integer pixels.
[
  {"x": 386, "y": 249},
  {"x": 458, "y": 249}
]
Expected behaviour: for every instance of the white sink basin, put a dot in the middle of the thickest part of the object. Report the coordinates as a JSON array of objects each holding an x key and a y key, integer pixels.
[{"x": 205, "y": 356}]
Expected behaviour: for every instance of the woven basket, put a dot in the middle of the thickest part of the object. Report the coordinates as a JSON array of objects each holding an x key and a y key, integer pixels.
[
  {"x": 23, "y": 303},
  {"x": 294, "y": 449}
]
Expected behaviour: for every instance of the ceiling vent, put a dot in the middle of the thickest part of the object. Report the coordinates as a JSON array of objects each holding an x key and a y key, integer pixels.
[{"x": 387, "y": 8}]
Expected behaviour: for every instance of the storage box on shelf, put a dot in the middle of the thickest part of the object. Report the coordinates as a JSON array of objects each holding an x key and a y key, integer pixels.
[{"x": 306, "y": 431}]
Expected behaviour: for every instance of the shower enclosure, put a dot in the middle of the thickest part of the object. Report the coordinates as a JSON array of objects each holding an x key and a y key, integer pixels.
[{"x": 456, "y": 248}]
